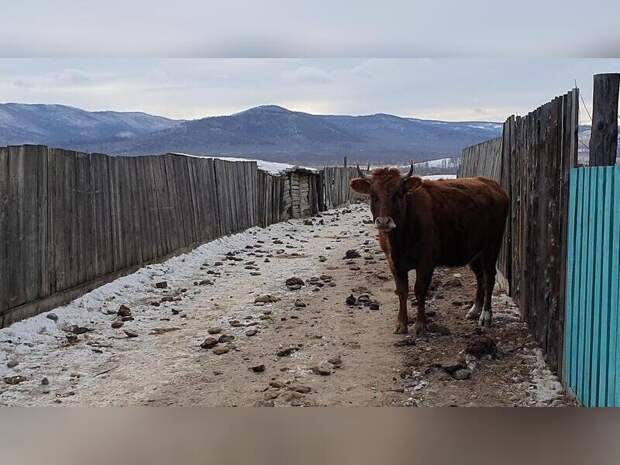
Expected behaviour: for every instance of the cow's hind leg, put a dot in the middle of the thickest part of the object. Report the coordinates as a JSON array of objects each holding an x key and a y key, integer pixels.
[
  {"x": 402, "y": 289},
  {"x": 422, "y": 282},
  {"x": 476, "y": 309},
  {"x": 489, "y": 258}
]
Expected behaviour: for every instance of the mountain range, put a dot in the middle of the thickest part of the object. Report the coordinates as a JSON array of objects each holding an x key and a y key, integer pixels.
[{"x": 268, "y": 132}]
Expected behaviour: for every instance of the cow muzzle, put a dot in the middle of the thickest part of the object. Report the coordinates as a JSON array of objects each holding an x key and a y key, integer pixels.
[{"x": 384, "y": 223}]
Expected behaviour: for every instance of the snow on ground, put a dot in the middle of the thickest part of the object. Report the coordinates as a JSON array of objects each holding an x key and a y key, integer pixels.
[{"x": 435, "y": 177}]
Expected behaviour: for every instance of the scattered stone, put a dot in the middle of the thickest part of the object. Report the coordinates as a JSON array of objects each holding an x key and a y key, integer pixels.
[
  {"x": 351, "y": 300},
  {"x": 14, "y": 379},
  {"x": 45, "y": 381},
  {"x": 235, "y": 323},
  {"x": 220, "y": 350},
  {"x": 335, "y": 361},
  {"x": 258, "y": 368},
  {"x": 294, "y": 283},
  {"x": 130, "y": 333},
  {"x": 209, "y": 342},
  {"x": 287, "y": 351},
  {"x": 450, "y": 367},
  {"x": 454, "y": 282},
  {"x": 117, "y": 324},
  {"x": 12, "y": 363},
  {"x": 408, "y": 341},
  {"x": 159, "y": 331},
  {"x": 480, "y": 346},
  {"x": 374, "y": 306},
  {"x": 364, "y": 299},
  {"x": 52, "y": 316},
  {"x": 266, "y": 299},
  {"x": 76, "y": 329},
  {"x": 438, "y": 329},
  {"x": 300, "y": 303},
  {"x": 214, "y": 330},
  {"x": 251, "y": 332},
  {"x": 226, "y": 338},
  {"x": 462, "y": 374},
  {"x": 264, "y": 403},
  {"x": 351, "y": 253},
  {"x": 205, "y": 282},
  {"x": 322, "y": 370},
  {"x": 161, "y": 285},
  {"x": 322, "y": 258},
  {"x": 300, "y": 389},
  {"x": 71, "y": 338}
]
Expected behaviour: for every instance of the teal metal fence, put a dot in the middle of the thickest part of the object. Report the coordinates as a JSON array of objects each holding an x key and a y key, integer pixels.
[{"x": 591, "y": 346}]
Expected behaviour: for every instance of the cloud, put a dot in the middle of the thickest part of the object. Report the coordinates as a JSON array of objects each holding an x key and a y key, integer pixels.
[{"x": 307, "y": 74}]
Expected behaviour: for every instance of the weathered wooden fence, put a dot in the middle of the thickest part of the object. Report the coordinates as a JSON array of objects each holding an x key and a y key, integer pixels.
[
  {"x": 591, "y": 349},
  {"x": 532, "y": 162},
  {"x": 483, "y": 159},
  {"x": 334, "y": 182},
  {"x": 70, "y": 221}
]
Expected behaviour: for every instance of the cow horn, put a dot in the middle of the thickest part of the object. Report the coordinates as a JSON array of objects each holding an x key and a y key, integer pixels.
[
  {"x": 361, "y": 173},
  {"x": 410, "y": 173}
]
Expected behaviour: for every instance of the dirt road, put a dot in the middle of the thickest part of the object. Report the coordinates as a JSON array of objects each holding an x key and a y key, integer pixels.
[{"x": 303, "y": 346}]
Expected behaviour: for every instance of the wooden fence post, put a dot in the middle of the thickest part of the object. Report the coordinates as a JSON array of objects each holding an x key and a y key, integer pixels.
[{"x": 604, "y": 136}]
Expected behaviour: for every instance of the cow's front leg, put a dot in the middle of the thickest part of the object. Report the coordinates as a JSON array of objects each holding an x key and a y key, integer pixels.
[
  {"x": 422, "y": 283},
  {"x": 402, "y": 289}
]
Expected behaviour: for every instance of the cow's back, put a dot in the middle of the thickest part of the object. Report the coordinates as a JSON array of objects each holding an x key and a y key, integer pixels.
[{"x": 466, "y": 214}]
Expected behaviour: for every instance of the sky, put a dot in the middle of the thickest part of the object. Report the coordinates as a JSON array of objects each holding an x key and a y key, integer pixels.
[
  {"x": 441, "y": 59},
  {"x": 453, "y": 89}
]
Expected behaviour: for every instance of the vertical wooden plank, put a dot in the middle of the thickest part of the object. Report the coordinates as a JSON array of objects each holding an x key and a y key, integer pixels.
[
  {"x": 43, "y": 266},
  {"x": 604, "y": 135},
  {"x": 570, "y": 288},
  {"x": 16, "y": 232},
  {"x": 4, "y": 237}
]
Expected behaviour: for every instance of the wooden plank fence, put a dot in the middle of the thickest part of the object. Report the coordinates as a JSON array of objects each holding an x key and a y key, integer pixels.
[
  {"x": 591, "y": 349},
  {"x": 335, "y": 190},
  {"x": 532, "y": 161},
  {"x": 483, "y": 159},
  {"x": 70, "y": 221}
]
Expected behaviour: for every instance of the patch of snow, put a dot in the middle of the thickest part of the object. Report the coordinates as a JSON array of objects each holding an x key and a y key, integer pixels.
[
  {"x": 435, "y": 177},
  {"x": 546, "y": 385},
  {"x": 270, "y": 167}
]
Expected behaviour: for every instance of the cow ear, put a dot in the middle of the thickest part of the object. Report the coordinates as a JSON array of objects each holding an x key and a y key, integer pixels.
[
  {"x": 412, "y": 183},
  {"x": 360, "y": 185}
]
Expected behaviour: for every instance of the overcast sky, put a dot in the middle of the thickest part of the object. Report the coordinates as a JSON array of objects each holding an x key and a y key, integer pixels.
[
  {"x": 440, "y": 88},
  {"x": 305, "y": 28}
]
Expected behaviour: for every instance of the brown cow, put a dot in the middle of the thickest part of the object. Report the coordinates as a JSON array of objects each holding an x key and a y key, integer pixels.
[{"x": 423, "y": 224}]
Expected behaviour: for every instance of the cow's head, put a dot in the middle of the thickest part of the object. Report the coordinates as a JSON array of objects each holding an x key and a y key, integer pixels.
[{"x": 387, "y": 189}]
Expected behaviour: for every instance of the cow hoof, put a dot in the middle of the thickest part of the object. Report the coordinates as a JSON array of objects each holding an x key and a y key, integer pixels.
[
  {"x": 485, "y": 319},
  {"x": 401, "y": 329},
  {"x": 473, "y": 313}
]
